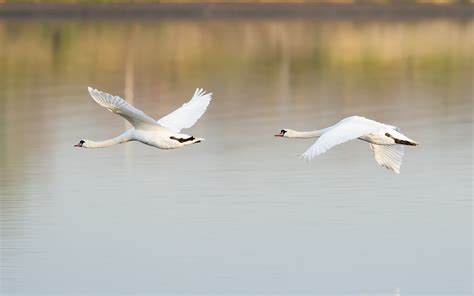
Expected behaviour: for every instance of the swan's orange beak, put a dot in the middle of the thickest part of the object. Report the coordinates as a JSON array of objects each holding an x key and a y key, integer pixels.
[
  {"x": 79, "y": 144},
  {"x": 280, "y": 134}
]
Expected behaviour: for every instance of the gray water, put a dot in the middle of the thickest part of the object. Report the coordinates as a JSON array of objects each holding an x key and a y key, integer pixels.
[{"x": 240, "y": 213}]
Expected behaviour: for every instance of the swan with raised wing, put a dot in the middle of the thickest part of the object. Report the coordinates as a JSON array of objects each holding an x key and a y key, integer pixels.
[
  {"x": 386, "y": 141},
  {"x": 164, "y": 133}
]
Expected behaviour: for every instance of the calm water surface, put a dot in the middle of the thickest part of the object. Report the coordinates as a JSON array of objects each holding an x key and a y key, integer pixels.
[{"x": 239, "y": 213}]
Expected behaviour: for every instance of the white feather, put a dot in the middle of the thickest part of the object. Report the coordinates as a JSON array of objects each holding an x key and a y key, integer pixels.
[
  {"x": 117, "y": 105},
  {"x": 187, "y": 115},
  {"x": 345, "y": 130},
  {"x": 389, "y": 157}
]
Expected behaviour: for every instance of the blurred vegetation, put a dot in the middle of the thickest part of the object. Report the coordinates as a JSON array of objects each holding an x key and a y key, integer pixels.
[{"x": 71, "y": 50}]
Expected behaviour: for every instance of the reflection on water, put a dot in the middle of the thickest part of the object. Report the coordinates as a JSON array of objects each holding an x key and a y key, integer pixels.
[{"x": 239, "y": 213}]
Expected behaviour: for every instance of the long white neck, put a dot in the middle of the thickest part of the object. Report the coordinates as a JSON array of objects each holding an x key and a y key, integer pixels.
[
  {"x": 305, "y": 135},
  {"x": 125, "y": 137}
]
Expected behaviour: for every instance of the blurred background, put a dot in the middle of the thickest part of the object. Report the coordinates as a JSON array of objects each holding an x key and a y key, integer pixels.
[
  {"x": 240, "y": 213},
  {"x": 240, "y": 1}
]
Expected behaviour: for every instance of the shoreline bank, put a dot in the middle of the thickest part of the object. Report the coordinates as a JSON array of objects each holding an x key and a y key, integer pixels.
[{"x": 234, "y": 10}]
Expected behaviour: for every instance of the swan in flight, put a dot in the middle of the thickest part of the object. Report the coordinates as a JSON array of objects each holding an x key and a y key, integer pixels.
[
  {"x": 386, "y": 141},
  {"x": 163, "y": 134}
]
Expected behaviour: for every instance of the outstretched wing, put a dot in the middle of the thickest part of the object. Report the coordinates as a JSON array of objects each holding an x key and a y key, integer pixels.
[
  {"x": 117, "y": 105},
  {"x": 345, "y": 130},
  {"x": 187, "y": 115},
  {"x": 389, "y": 157}
]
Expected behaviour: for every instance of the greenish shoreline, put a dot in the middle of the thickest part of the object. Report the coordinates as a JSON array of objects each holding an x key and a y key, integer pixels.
[{"x": 236, "y": 9}]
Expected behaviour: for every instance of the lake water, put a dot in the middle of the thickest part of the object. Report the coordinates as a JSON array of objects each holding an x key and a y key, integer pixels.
[{"x": 240, "y": 213}]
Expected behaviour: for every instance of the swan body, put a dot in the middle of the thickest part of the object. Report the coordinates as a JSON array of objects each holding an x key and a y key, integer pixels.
[
  {"x": 164, "y": 133},
  {"x": 386, "y": 141}
]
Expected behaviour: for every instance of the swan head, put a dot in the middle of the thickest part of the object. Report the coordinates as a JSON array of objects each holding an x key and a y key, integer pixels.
[
  {"x": 83, "y": 143},
  {"x": 286, "y": 133}
]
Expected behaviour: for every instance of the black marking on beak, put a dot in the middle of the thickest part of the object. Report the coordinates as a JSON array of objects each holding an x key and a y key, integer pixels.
[{"x": 81, "y": 142}]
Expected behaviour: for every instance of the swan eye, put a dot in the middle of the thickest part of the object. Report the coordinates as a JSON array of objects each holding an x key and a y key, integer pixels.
[
  {"x": 282, "y": 131},
  {"x": 388, "y": 135}
]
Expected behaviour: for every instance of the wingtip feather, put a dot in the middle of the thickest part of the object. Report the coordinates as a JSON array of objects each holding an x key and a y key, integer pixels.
[
  {"x": 91, "y": 90},
  {"x": 307, "y": 157},
  {"x": 201, "y": 93}
]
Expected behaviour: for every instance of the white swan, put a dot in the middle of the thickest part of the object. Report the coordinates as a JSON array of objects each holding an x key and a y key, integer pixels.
[
  {"x": 386, "y": 141},
  {"x": 163, "y": 134}
]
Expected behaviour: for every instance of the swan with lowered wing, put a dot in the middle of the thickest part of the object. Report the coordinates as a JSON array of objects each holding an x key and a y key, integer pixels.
[{"x": 386, "y": 141}]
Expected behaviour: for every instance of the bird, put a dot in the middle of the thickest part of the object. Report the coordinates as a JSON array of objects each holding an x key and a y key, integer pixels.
[
  {"x": 163, "y": 134},
  {"x": 386, "y": 141}
]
